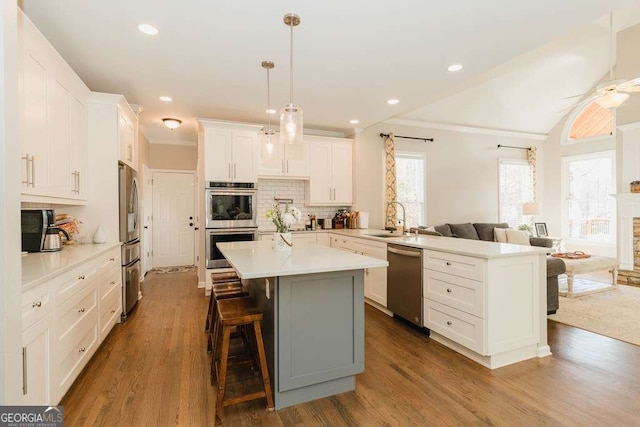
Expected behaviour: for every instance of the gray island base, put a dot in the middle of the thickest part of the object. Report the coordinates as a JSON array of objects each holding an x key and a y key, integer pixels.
[
  {"x": 313, "y": 325},
  {"x": 313, "y": 332}
]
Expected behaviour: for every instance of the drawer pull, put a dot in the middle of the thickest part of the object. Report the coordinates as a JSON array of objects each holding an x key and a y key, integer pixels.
[
  {"x": 82, "y": 310},
  {"x": 113, "y": 311},
  {"x": 112, "y": 259},
  {"x": 112, "y": 283},
  {"x": 449, "y": 290},
  {"x": 81, "y": 350},
  {"x": 81, "y": 277},
  {"x": 449, "y": 323},
  {"x": 448, "y": 263},
  {"x": 36, "y": 304}
]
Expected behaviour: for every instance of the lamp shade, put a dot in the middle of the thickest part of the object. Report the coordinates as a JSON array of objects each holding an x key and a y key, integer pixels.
[{"x": 531, "y": 208}]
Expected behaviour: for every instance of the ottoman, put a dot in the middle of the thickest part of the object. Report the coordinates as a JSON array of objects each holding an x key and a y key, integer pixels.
[{"x": 589, "y": 265}]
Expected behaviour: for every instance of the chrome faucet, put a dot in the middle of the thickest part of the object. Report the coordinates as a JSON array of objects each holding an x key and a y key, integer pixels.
[{"x": 404, "y": 216}]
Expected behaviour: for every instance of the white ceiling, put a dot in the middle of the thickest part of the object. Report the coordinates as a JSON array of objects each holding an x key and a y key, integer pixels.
[{"x": 520, "y": 58}]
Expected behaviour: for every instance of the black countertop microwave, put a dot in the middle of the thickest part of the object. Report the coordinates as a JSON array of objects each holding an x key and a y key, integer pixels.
[{"x": 34, "y": 224}]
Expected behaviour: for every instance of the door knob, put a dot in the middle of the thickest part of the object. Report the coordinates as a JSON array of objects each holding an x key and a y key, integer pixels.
[
  {"x": 190, "y": 217},
  {"x": 196, "y": 228},
  {"x": 146, "y": 227}
]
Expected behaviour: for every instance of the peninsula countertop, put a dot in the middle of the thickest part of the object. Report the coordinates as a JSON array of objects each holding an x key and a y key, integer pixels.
[{"x": 257, "y": 259}]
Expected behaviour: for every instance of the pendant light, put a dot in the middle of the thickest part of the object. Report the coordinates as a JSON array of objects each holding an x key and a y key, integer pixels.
[
  {"x": 268, "y": 143},
  {"x": 291, "y": 114}
]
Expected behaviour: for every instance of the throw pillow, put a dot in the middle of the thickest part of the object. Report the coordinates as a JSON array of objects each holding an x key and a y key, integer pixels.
[
  {"x": 485, "y": 229},
  {"x": 500, "y": 234},
  {"x": 464, "y": 231},
  {"x": 518, "y": 237},
  {"x": 432, "y": 228}
]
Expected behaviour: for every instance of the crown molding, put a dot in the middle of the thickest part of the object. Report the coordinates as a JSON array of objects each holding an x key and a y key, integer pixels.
[
  {"x": 173, "y": 142},
  {"x": 466, "y": 129}
]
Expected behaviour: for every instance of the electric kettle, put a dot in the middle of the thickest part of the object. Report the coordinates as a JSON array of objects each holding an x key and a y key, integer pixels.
[{"x": 52, "y": 241}]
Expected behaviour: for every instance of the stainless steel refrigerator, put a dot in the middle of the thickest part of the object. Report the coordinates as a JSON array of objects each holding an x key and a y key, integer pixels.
[{"x": 130, "y": 238}]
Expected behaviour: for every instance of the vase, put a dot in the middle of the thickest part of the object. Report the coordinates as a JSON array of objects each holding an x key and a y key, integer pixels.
[
  {"x": 99, "y": 236},
  {"x": 282, "y": 242}
]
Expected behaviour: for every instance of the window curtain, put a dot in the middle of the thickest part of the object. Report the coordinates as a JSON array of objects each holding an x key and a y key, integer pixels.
[
  {"x": 531, "y": 158},
  {"x": 391, "y": 189}
]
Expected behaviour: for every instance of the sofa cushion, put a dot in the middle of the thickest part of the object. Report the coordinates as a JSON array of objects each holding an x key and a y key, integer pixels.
[
  {"x": 543, "y": 242},
  {"x": 485, "y": 229},
  {"x": 518, "y": 237},
  {"x": 500, "y": 235},
  {"x": 464, "y": 231},
  {"x": 426, "y": 231},
  {"x": 555, "y": 266},
  {"x": 443, "y": 229}
]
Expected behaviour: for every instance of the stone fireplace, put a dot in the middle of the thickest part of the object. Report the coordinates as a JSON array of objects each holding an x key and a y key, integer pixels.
[{"x": 632, "y": 276}]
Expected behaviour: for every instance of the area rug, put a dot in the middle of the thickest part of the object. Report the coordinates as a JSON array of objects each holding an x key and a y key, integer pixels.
[
  {"x": 614, "y": 313},
  {"x": 174, "y": 269}
]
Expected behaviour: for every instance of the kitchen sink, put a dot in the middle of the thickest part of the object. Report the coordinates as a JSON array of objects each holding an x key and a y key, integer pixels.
[{"x": 386, "y": 235}]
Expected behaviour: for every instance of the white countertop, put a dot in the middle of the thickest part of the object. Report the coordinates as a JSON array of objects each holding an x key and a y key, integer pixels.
[
  {"x": 475, "y": 248},
  {"x": 39, "y": 267},
  {"x": 257, "y": 259}
]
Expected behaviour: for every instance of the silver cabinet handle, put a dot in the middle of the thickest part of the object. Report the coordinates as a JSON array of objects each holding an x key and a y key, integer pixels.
[
  {"x": 81, "y": 277},
  {"x": 448, "y": 263},
  {"x": 234, "y": 170},
  {"x": 449, "y": 323},
  {"x": 33, "y": 171},
  {"x": 449, "y": 290},
  {"x": 112, "y": 259},
  {"x": 113, "y": 311},
  {"x": 81, "y": 350},
  {"x": 36, "y": 304},
  {"x": 78, "y": 179},
  {"x": 26, "y": 169},
  {"x": 283, "y": 167},
  {"x": 82, "y": 310},
  {"x": 229, "y": 173},
  {"x": 405, "y": 253},
  {"x": 24, "y": 371},
  {"x": 287, "y": 166}
]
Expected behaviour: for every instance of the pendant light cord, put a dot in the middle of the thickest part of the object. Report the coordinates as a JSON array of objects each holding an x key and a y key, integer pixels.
[
  {"x": 291, "y": 64},
  {"x": 268, "y": 104}
]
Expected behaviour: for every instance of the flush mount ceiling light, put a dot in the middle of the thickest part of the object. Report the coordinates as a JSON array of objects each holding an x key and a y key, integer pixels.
[
  {"x": 454, "y": 67},
  {"x": 271, "y": 111},
  {"x": 354, "y": 121},
  {"x": 166, "y": 99},
  {"x": 291, "y": 114},
  {"x": 171, "y": 123},
  {"x": 393, "y": 101},
  {"x": 148, "y": 29},
  {"x": 267, "y": 137}
]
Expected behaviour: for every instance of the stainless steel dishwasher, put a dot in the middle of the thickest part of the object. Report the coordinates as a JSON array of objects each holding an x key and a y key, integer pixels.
[{"x": 404, "y": 282}]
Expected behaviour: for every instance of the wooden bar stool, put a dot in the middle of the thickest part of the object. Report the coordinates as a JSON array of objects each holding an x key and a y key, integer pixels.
[
  {"x": 226, "y": 278},
  {"x": 219, "y": 292},
  {"x": 238, "y": 312}
]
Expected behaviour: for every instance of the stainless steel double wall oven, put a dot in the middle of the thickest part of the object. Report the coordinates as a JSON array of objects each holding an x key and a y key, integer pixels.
[{"x": 230, "y": 216}]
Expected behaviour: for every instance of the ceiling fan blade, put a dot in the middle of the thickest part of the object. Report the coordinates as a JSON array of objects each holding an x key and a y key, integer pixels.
[
  {"x": 575, "y": 96},
  {"x": 632, "y": 85}
]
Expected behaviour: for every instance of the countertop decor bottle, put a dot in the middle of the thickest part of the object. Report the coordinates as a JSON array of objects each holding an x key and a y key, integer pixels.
[{"x": 99, "y": 236}]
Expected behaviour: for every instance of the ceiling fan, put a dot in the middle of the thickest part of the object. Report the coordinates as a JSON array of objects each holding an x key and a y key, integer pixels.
[{"x": 612, "y": 93}]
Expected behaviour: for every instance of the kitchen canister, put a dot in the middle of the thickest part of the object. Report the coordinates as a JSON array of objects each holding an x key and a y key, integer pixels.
[
  {"x": 363, "y": 220},
  {"x": 99, "y": 236}
]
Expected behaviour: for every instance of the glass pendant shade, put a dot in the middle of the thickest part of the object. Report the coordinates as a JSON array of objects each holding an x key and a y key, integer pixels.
[
  {"x": 291, "y": 124},
  {"x": 269, "y": 146}
]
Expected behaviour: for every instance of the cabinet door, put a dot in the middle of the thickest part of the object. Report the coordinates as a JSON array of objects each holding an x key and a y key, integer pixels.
[
  {"x": 60, "y": 180},
  {"x": 341, "y": 172},
  {"x": 34, "y": 139},
  {"x": 244, "y": 165},
  {"x": 377, "y": 285},
  {"x": 36, "y": 359},
  {"x": 78, "y": 140},
  {"x": 320, "y": 190},
  {"x": 217, "y": 155},
  {"x": 271, "y": 160},
  {"x": 296, "y": 160},
  {"x": 126, "y": 137}
]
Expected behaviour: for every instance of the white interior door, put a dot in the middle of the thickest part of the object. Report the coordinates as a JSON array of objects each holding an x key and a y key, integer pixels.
[
  {"x": 173, "y": 219},
  {"x": 147, "y": 224}
]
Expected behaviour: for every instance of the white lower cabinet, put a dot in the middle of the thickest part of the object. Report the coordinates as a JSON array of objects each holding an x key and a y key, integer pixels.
[
  {"x": 375, "y": 279},
  {"x": 299, "y": 239},
  {"x": 64, "y": 320},
  {"x": 485, "y": 308}
]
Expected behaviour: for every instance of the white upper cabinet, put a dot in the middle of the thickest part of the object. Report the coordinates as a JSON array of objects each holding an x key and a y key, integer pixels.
[
  {"x": 230, "y": 151},
  {"x": 127, "y": 140},
  {"x": 52, "y": 121},
  {"x": 330, "y": 172},
  {"x": 285, "y": 161}
]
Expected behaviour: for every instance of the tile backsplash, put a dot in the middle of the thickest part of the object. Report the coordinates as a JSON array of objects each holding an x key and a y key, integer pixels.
[{"x": 268, "y": 189}]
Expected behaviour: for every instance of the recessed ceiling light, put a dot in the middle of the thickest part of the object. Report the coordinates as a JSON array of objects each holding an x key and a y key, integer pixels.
[
  {"x": 148, "y": 29},
  {"x": 166, "y": 98},
  {"x": 354, "y": 121},
  {"x": 171, "y": 123},
  {"x": 454, "y": 67},
  {"x": 393, "y": 101},
  {"x": 271, "y": 111}
]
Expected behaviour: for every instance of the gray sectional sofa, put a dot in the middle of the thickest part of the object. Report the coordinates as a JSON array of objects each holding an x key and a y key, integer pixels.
[{"x": 484, "y": 231}]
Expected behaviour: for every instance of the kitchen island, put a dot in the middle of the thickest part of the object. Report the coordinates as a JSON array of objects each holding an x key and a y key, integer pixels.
[{"x": 313, "y": 303}]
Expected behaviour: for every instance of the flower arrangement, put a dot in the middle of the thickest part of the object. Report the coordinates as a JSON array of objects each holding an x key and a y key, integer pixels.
[
  {"x": 635, "y": 186},
  {"x": 284, "y": 219}
]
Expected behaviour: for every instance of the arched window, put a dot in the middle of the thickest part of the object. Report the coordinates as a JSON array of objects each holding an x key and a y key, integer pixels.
[{"x": 590, "y": 122}]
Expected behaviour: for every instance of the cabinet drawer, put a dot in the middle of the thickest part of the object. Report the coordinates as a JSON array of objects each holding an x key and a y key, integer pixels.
[
  {"x": 458, "y": 265},
  {"x": 82, "y": 279},
  {"x": 71, "y": 358},
  {"x": 36, "y": 303},
  {"x": 371, "y": 248},
  {"x": 110, "y": 260},
  {"x": 458, "y": 326},
  {"x": 457, "y": 292},
  {"x": 74, "y": 312},
  {"x": 110, "y": 310},
  {"x": 342, "y": 242},
  {"x": 111, "y": 284}
]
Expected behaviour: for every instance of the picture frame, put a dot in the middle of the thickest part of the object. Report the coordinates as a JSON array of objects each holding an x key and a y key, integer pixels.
[{"x": 541, "y": 229}]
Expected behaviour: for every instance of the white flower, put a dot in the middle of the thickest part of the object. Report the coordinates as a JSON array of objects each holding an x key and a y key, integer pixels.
[{"x": 284, "y": 220}]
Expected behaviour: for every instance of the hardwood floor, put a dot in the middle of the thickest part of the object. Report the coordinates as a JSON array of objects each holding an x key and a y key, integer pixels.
[{"x": 154, "y": 370}]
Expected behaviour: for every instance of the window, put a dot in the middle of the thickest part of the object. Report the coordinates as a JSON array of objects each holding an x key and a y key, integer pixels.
[
  {"x": 514, "y": 190},
  {"x": 589, "y": 210},
  {"x": 411, "y": 178}
]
